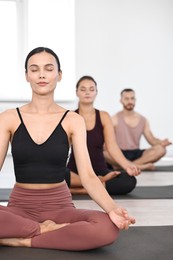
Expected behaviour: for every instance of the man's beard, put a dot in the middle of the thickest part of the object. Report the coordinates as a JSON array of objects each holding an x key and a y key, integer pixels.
[{"x": 129, "y": 107}]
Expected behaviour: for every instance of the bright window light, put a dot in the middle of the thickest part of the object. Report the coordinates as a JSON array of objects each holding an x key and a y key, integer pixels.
[
  {"x": 48, "y": 23},
  {"x": 8, "y": 48}
]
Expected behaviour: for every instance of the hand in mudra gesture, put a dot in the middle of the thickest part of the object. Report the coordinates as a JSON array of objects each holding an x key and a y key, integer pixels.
[{"x": 120, "y": 218}]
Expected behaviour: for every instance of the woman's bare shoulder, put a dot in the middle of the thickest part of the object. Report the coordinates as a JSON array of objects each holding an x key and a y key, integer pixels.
[
  {"x": 8, "y": 114},
  {"x": 74, "y": 122},
  {"x": 74, "y": 116},
  {"x": 8, "y": 119},
  {"x": 104, "y": 115}
]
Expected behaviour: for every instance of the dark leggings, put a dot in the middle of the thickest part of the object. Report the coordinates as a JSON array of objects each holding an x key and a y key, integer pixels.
[
  {"x": 88, "y": 229},
  {"x": 122, "y": 184}
]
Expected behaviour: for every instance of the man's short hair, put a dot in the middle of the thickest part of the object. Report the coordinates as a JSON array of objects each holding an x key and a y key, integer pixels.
[{"x": 127, "y": 90}]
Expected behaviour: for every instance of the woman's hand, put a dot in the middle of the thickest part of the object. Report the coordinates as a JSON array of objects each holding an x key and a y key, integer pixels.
[{"x": 120, "y": 218}]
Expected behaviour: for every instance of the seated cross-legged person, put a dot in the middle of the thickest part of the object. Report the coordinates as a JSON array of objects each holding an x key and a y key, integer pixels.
[
  {"x": 100, "y": 132},
  {"x": 129, "y": 127},
  {"x": 40, "y": 212}
]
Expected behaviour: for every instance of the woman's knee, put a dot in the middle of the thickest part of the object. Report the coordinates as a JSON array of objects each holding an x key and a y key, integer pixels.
[
  {"x": 123, "y": 184},
  {"x": 107, "y": 230}
]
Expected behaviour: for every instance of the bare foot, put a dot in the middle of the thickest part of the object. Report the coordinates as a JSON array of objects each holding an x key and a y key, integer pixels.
[
  {"x": 147, "y": 166},
  {"x": 50, "y": 225},
  {"x": 78, "y": 191},
  {"x": 16, "y": 242},
  {"x": 109, "y": 176},
  {"x": 46, "y": 226}
]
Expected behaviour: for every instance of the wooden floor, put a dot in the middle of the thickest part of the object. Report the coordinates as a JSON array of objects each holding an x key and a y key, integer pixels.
[{"x": 147, "y": 212}]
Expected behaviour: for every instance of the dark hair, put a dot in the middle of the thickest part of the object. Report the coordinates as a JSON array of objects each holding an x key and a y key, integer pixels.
[
  {"x": 86, "y": 77},
  {"x": 39, "y": 50},
  {"x": 127, "y": 90}
]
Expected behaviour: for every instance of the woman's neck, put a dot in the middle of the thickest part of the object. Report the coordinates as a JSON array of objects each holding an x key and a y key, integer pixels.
[
  {"x": 89, "y": 115},
  {"x": 42, "y": 105},
  {"x": 86, "y": 109}
]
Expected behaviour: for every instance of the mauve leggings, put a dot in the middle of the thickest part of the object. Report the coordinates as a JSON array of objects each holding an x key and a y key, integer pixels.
[{"x": 88, "y": 229}]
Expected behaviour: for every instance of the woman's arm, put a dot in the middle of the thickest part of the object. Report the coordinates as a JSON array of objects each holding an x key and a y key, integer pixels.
[
  {"x": 5, "y": 134},
  {"x": 89, "y": 180}
]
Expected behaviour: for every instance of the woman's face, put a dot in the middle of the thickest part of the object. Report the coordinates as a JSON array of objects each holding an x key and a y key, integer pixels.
[
  {"x": 42, "y": 73},
  {"x": 86, "y": 91}
]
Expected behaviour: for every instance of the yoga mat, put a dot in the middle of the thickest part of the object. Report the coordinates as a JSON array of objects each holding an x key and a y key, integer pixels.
[
  {"x": 140, "y": 192},
  {"x": 137, "y": 243},
  {"x": 152, "y": 192},
  {"x": 159, "y": 168},
  {"x": 4, "y": 194},
  {"x": 162, "y": 168}
]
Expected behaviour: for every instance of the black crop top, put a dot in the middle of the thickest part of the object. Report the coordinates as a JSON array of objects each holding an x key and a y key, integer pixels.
[{"x": 39, "y": 163}]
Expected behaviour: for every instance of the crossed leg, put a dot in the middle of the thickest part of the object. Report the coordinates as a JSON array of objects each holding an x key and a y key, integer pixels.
[
  {"x": 68, "y": 229},
  {"x": 151, "y": 156},
  {"x": 46, "y": 226}
]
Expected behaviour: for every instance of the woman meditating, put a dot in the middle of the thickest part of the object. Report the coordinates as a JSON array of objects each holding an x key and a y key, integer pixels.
[{"x": 40, "y": 212}]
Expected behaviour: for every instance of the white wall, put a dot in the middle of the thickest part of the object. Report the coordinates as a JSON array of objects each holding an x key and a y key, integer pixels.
[
  {"x": 124, "y": 43},
  {"x": 128, "y": 43}
]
